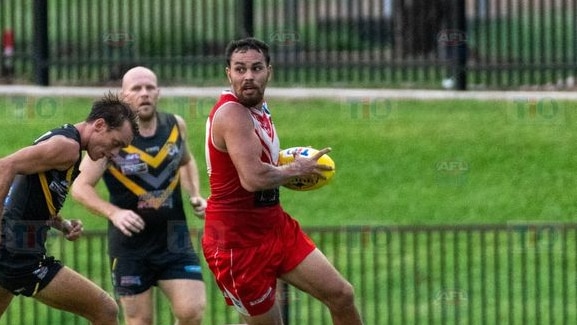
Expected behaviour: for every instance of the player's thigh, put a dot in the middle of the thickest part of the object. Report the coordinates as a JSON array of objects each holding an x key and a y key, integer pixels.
[
  {"x": 72, "y": 292},
  {"x": 138, "y": 305},
  {"x": 272, "y": 317},
  {"x": 317, "y": 276},
  {"x": 184, "y": 294}
]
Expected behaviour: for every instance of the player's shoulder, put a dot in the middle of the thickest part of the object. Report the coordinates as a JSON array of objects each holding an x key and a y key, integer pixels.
[
  {"x": 233, "y": 109},
  {"x": 65, "y": 131},
  {"x": 61, "y": 142}
]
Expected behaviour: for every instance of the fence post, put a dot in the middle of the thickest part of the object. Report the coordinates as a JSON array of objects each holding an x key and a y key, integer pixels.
[
  {"x": 247, "y": 18},
  {"x": 41, "y": 42},
  {"x": 462, "y": 47}
]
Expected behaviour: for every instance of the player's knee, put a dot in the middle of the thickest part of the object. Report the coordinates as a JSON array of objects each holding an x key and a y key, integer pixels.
[
  {"x": 107, "y": 312},
  {"x": 192, "y": 313}
]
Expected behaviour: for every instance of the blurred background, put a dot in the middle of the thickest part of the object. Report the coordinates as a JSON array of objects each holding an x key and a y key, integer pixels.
[{"x": 461, "y": 44}]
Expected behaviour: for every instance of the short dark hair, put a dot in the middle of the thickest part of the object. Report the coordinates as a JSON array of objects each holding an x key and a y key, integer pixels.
[
  {"x": 245, "y": 44},
  {"x": 114, "y": 111}
]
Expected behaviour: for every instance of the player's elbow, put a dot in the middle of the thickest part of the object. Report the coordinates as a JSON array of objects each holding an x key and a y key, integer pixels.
[
  {"x": 250, "y": 187},
  {"x": 77, "y": 192},
  {"x": 254, "y": 185}
]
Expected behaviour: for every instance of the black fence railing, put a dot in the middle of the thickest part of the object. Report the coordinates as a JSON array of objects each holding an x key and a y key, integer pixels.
[
  {"x": 473, "y": 44},
  {"x": 514, "y": 273}
]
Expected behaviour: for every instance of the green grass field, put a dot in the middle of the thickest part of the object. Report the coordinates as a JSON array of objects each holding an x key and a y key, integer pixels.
[{"x": 398, "y": 163}]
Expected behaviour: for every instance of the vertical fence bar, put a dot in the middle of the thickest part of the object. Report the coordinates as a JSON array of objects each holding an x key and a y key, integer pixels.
[
  {"x": 456, "y": 277},
  {"x": 563, "y": 39},
  {"x": 509, "y": 20},
  {"x": 499, "y": 32},
  {"x": 461, "y": 47},
  {"x": 574, "y": 39},
  {"x": 59, "y": 35},
  {"x": 551, "y": 274},
  {"x": 430, "y": 291},
  {"x": 496, "y": 271},
  {"x": 521, "y": 44},
  {"x": 469, "y": 244},
  {"x": 323, "y": 45},
  {"x": 442, "y": 294},
  {"x": 377, "y": 271},
  {"x": 523, "y": 270},
  {"x": 403, "y": 276},
  {"x": 537, "y": 268},
  {"x": 510, "y": 277},
  {"x": 41, "y": 51},
  {"x": 541, "y": 45},
  {"x": 416, "y": 278},
  {"x": 483, "y": 266},
  {"x": 247, "y": 9},
  {"x": 531, "y": 39},
  {"x": 389, "y": 281},
  {"x": 554, "y": 51},
  {"x": 364, "y": 247},
  {"x": 474, "y": 33},
  {"x": 564, "y": 277},
  {"x": 71, "y": 49}
]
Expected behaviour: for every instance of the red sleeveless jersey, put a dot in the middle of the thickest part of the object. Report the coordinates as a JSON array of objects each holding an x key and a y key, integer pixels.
[{"x": 234, "y": 216}]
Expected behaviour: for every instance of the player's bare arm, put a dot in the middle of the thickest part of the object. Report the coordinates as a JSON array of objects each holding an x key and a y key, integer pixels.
[
  {"x": 189, "y": 173},
  {"x": 233, "y": 132},
  {"x": 84, "y": 191},
  {"x": 57, "y": 152}
]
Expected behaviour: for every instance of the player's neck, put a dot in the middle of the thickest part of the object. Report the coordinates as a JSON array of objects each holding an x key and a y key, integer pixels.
[
  {"x": 81, "y": 126},
  {"x": 147, "y": 128}
]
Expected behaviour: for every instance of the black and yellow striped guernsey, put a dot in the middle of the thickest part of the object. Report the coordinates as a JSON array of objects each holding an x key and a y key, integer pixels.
[
  {"x": 144, "y": 178},
  {"x": 34, "y": 199}
]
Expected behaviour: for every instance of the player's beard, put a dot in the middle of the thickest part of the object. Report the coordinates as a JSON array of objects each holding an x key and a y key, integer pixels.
[{"x": 252, "y": 100}]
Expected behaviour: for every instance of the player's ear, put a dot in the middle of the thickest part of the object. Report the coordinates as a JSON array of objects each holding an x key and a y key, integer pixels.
[
  {"x": 227, "y": 71},
  {"x": 269, "y": 68},
  {"x": 100, "y": 125}
]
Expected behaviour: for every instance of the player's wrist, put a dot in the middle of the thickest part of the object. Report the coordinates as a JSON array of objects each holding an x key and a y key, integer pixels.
[{"x": 110, "y": 213}]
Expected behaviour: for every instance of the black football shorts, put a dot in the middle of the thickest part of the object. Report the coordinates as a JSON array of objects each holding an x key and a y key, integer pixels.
[{"x": 26, "y": 274}]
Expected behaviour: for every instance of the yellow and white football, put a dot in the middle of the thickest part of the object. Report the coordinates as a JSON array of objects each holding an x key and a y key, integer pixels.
[{"x": 307, "y": 182}]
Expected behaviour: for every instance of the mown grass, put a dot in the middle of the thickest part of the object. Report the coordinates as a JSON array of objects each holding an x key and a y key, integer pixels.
[{"x": 399, "y": 162}]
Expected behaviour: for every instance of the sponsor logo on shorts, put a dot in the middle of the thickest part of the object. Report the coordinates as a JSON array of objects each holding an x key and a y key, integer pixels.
[
  {"x": 130, "y": 280},
  {"x": 192, "y": 268},
  {"x": 41, "y": 272},
  {"x": 262, "y": 298}
]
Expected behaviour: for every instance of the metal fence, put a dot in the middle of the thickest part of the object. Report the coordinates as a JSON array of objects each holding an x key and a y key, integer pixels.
[
  {"x": 473, "y": 44},
  {"x": 462, "y": 274}
]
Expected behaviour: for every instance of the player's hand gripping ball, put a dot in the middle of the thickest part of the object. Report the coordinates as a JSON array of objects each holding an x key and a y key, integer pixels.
[{"x": 306, "y": 182}]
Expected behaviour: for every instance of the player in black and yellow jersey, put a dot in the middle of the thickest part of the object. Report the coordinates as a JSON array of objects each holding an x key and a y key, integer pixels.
[
  {"x": 148, "y": 237},
  {"x": 34, "y": 182}
]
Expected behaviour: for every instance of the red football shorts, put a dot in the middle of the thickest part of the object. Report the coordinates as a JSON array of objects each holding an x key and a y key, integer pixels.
[{"x": 247, "y": 275}]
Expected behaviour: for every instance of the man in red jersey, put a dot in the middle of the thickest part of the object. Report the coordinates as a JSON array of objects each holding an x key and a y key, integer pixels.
[{"x": 249, "y": 240}]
